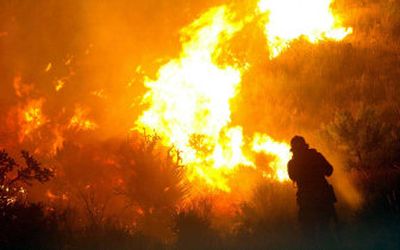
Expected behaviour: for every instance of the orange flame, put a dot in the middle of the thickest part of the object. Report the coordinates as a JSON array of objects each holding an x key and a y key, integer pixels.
[
  {"x": 80, "y": 122},
  {"x": 189, "y": 104},
  {"x": 31, "y": 118}
]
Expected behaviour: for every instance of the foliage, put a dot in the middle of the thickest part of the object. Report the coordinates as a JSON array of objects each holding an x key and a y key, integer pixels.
[
  {"x": 24, "y": 226},
  {"x": 155, "y": 183},
  {"x": 193, "y": 227},
  {"x": 14, "y": 177},
  {"x": 369, "y": 141},
  {"x": 365, "y": 140},
  {"x": 269, "y": 217},
  {"x": 35, "y": 226}
]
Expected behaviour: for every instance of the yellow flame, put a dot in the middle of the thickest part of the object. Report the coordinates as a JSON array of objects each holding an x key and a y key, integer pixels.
[
  {"x": 228, "y": 153},
  {"x": 279, "y": 150},
  {"x": 287, "y": 20},
  {"x": 48, "y": 67},
  {"x": 189, "y": 102},
  {"x": 59, "y": 84},
  {"x": 79, "y": 120},
  {"x": 32, "y": 117}
]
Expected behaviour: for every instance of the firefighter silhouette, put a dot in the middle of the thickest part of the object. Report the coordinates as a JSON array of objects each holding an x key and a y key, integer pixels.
[{"x": 315, "y": 196}]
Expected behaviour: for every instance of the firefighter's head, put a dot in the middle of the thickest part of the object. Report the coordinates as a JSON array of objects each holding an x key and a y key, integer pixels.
[{"x": 298, "y": 143}]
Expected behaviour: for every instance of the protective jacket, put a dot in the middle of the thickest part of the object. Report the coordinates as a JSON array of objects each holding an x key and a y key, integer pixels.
[{"x": 315, "y": 196}]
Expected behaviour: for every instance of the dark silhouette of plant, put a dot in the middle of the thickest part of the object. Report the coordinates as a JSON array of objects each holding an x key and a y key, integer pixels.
[
  {"x": 15, "y": 177},
  {"x": 193, "y": 228},
  {"x": 268, "y": 217},
  {"x": 365, "y": 139},
  {"x": 29, "y": 226},
  {"x": 95, "y": 207},
  {"x": 370, "y": 143},
  {"x": 23, "y": 225},
  {"x": 155, "y": 183}
]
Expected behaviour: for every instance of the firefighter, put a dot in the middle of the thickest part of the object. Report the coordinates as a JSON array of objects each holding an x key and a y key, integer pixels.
[{"x": 315, "y": 196}]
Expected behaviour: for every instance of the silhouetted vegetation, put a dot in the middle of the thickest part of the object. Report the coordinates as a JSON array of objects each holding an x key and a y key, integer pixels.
[
  {"x": 15, "y": 177},
  {"x": 155, "y": 184},
  {"x": 365, "y": 140},
  {"x": 23, "y": 224},
  {"x": 193, "y": 228},
  {"x": 370, "y": 142}
]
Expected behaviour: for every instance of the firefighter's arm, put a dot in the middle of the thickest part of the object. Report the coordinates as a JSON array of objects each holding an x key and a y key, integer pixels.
[
  {"x": 327, "y": 167},
  {"x": 292, "y": 171}
]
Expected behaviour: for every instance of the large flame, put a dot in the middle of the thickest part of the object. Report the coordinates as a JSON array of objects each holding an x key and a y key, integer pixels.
[
  {"x": 288, "y": 20},
  {"x": 190, "y": 103},
  {"x": 265, "y": 144}
]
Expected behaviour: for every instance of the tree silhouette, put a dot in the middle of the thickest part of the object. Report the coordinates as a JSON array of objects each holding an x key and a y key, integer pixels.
[
  {"x": 15, "y": 177},
  {"x": 23, "y": 225}
]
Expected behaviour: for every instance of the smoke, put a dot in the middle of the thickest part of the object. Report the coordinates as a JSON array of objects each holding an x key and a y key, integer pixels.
[{"x": 92, "y": 51}]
